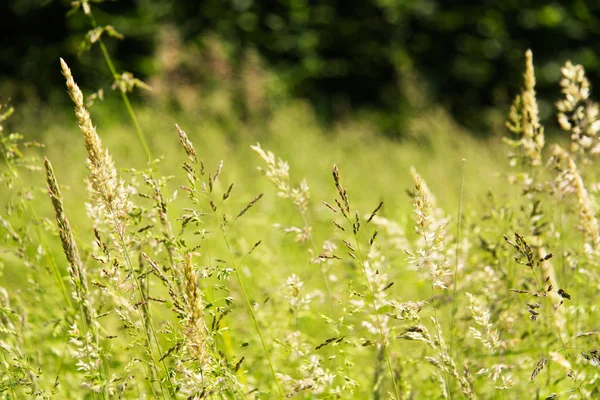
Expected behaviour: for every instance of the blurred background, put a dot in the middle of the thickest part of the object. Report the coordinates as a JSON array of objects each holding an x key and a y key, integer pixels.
[
  {"x": 375, "y": 86},
  {"x": 381, "y": 61}
]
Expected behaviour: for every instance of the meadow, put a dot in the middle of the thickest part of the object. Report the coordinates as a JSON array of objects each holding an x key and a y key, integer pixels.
[{"x": 289, "y": 260}]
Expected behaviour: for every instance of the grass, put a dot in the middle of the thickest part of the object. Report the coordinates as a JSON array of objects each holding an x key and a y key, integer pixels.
[{"x": 316, "y": 264}]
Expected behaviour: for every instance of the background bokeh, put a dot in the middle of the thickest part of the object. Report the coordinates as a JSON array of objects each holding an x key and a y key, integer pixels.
[{"x": 351, "y": 57}]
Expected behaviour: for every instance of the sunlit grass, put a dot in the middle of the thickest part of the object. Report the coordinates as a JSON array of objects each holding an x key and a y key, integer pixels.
[{"x": 208, "y": 281}]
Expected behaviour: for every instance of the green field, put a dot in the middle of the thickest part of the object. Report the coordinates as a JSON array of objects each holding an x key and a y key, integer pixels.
[{"x": 342, "y": 265}]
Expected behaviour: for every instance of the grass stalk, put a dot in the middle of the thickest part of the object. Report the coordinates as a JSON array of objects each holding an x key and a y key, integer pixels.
[
  {"x": 384, "y": 339},
  {"x": 456, "y": 256},
  {"x": 145, "y": 315},
  {"x": 250, "y": 309},
  {"x": 115, "y": 76}
]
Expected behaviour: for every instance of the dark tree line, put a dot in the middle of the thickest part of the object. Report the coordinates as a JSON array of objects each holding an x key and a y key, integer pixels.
[{"x": 342, "y": 55}]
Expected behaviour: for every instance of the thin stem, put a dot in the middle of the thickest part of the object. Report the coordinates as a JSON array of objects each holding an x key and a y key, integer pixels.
[
  {"x": 379, "y": 326},
  {"x": 437, "y": 324},
  {"x": 124, "y": 96},
  {"x": 458, "y": 233},
  {"x": 550, "y": 310},
  {"x": 144, "y": 312},
  {"x": 224, "y": 234},
  {"x": 314, "y": 248},
  {"x": 262, "y": 340}
]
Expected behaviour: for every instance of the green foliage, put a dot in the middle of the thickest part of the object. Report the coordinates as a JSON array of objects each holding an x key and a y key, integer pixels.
[{"x": 342, "y": 56}]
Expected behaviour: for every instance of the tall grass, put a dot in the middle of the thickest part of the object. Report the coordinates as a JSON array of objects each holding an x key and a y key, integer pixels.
[{"x": 193, "y": 277}]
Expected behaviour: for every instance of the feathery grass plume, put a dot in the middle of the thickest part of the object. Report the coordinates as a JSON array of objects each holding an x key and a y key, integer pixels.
[
  {"x": 577, "y": 114},
  {"x": 89, "y": 358},
  {"x": 107, "y": 191},
  {"x": 197, "y": 366},
  {"x": 445, "y": 363},
  {"x": 496, "y": 374},
  {"x": 430, "y": 255},
  {"x": 278, "y": 172},
  {"x": 569, "y": 180},
  {"x": 449, "y": 364},
  {"x": 375, "y": 266},
  {"x": 12, "y": 155},
  {"x": 295, "y": 296},
  {"x": 438, "y": 213},
  {"x": 524, "y": 122},
  {"x": 195, "y": 330},
  {"x": 187, "y": 144},
  {"x": 533, "y": 132},
  {"x": 489, "y": 337}
]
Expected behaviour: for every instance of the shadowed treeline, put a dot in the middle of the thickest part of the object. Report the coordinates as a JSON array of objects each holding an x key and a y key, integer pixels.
[{"x": 343, "y": 56}]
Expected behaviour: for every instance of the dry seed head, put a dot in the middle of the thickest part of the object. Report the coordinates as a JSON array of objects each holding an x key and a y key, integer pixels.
[
  {"x": 524, "y": 121},
  {"x": 76, "y": 269},
  {"x": 301, "y": 195},
  {"x": 425, "y": 189},
  {"x": 191, "y": 287},
  {"x": 64, "y": 229},
  {"x": 577, "y": 114},
  {"x": 212, "y": 180},
  {"x": 530, "y": 84},
  {"x": 278, "y": 172},
  {"x": 374, "y": 213},
  {"x": 515, "y": 116},
  {"x": 341, "y": 191},
  {"x": 569, "y": 179},
  {"x": 93, "y": 143},
  {"x": 489, "y": 337},
  {"x": 252, "y": 202},
  {"x": 538, "y": 367},
  {"x": 533, "y": 133},
  {"x": 429, "y": 254},
  {"x": 422, "y": 205},
  {"x": 196, "y": 331},
  {"x": 107, "y": 192},
  {"x": 187, "y": 145}
]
